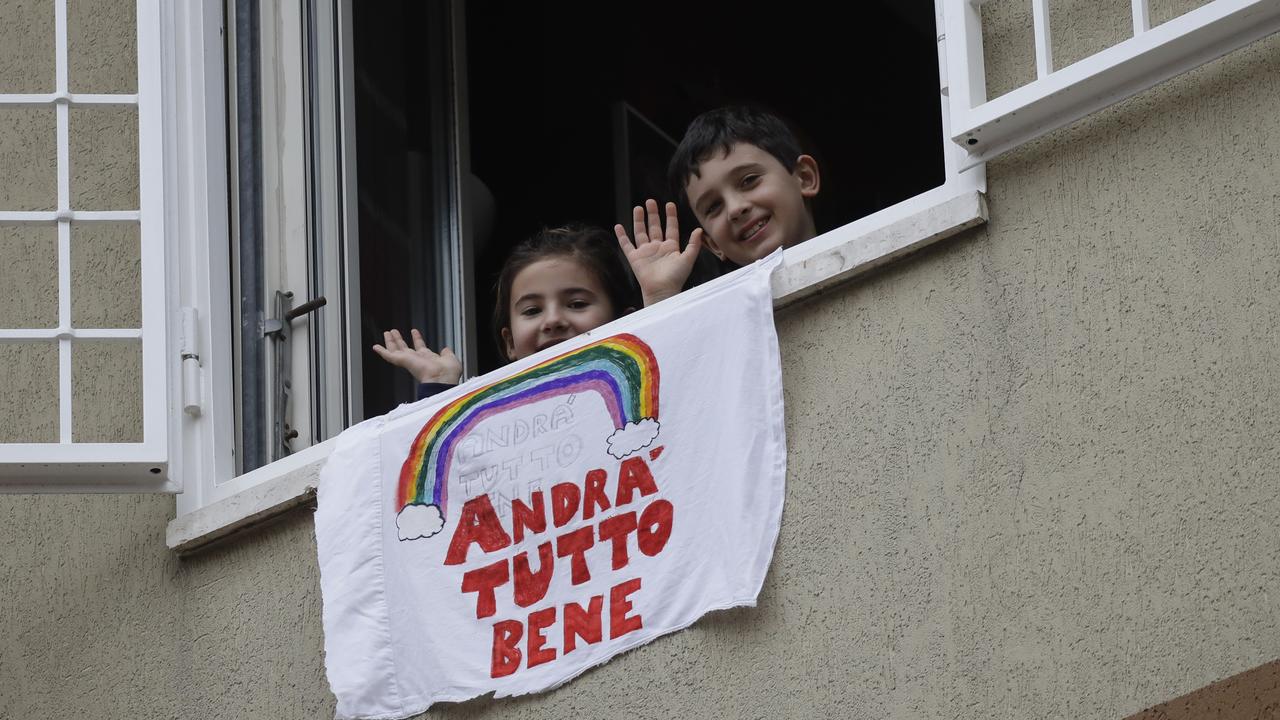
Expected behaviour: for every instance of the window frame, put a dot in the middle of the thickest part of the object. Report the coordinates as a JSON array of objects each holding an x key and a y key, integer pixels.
[
  {"x": 200, "y": 232},
  {"x": 986, "y": 128}
]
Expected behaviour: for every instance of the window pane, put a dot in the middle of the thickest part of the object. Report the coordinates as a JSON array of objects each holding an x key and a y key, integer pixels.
[
  {"x": 104, "y": 157},
  {"x": 406, "y": 181},
  {"x": 106, "y": 280},
  {"x": 1081, "y": 28},
  {"x": 1163, "y": 11},
  {"x": 26, "y": 48},
  {"x": 29, "y": 394},
  {"x": 106, "y": 397},
  {"x": 30, "y": 276},
  {"x": 1008, "y": 45},
  {"x": 28, "y": 158},
  {"x": 102, "y": 46}
]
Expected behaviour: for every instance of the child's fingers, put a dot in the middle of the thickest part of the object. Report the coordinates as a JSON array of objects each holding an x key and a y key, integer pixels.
[
  {"x": 638, "y": 226},
  {"x": 695, "y": 243},
  {"x": 655, "y": 224},
  {"x": 673, "y": 223},
  {"x": 418, "y": 343},
  {"x": 623, "y": 239}
]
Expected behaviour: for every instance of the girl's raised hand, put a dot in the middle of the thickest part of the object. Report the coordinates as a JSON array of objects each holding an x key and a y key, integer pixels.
[
  {"x": 425, "y": 365},
  {"x": 659, "y": 265}
]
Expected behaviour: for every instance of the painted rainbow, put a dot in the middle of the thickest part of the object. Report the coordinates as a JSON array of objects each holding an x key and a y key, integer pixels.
[{"x": 621, "y": 368}]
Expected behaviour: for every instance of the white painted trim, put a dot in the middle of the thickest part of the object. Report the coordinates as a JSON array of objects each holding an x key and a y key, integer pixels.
[
  {"x": 65, "y": 98},
  {"x": 10, "y": 217},
  {"x": 60, "y": 50},
  {"x": 816, "y": 265},
  {"x": 88, "y": 454},
  {"x": 1044, "y": 37},
  {"x": 200, "y": 234},
  {"x": 962, "y": 29},
  {"x": 8, "y": 335},
  {"x": 986, "y": 129},
  {"x": 64, "y": 303},
  {"x": 82, "y": 468},
  {"x": 62, "y": 113},
  {"x": 64, "y": 392},
  {"x": 1141, "y": 17},
  {"x": 68, "y": 467},
  {"x": 158, "y": 378}
]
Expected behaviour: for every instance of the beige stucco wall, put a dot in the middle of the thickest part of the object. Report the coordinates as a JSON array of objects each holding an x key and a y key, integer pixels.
[{"x": 1032, "y": 473}]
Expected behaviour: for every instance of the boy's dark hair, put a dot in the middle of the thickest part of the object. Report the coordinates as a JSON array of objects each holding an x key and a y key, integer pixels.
[
  {"x": 596, "y": 248},
  {"x": 718, "y": 130}
]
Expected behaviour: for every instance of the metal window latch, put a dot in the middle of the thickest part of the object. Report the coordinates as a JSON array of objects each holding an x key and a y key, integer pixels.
[{"x": 277, "y": 328}]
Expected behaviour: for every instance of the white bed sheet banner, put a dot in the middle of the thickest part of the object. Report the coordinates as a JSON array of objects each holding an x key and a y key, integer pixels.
[{"x": 511, "y": 533}]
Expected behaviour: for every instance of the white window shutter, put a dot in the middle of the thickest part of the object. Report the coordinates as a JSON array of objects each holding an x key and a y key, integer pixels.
[
  {"x": 99, "y": 365},
  {"x": 985, "y": 128}
]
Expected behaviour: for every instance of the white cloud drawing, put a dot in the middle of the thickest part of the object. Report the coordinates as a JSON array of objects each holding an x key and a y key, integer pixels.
[
  {"x": 633, "y": 436},
  {"x": 419, "y": 521}
]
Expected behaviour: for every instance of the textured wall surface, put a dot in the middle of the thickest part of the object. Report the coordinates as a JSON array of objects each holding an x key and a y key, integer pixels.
[
  {"x": 1044, "y": 485},
  {"x": 1056, "y": 451}
]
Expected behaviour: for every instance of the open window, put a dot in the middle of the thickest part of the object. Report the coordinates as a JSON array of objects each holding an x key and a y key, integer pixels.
[
  {"x": 477, "y": 123},
  {"x": 386, "y": 156},
  {"x": 538, "y": 114},
  {"x": 403, "y": 147}
]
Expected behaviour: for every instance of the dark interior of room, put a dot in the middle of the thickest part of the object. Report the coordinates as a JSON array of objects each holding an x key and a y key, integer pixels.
[{"x": 545, "y": 80}]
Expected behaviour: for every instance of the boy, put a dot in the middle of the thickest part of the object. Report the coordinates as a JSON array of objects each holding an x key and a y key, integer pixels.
[{"x": 741, "y": 172}]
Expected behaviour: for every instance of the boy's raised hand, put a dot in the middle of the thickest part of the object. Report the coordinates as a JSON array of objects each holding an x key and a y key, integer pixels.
[
  {"x": 659, "y": 265},
  {"x": 424, "y": 365}
]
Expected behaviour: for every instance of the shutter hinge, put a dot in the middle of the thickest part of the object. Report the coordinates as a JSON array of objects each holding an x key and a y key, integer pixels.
[{"x": 189, "y": 354}]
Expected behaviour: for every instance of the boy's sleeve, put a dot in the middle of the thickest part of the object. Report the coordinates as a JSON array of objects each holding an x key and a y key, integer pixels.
[{"x": 426, "y": 390}]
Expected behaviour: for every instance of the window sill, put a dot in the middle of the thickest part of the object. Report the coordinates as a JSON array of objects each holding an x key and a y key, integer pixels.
[
  {"x": 873, "y": 241},
  {"x": 274, "y": 489},
  {"x": 808, "y": 269}
]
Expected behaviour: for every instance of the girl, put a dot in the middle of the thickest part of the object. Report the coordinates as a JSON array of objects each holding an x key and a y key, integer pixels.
[{"x": 555, "y": 285}]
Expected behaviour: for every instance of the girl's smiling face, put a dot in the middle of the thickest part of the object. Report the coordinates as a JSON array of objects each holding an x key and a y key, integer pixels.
[{"x": 553, "y": 300}]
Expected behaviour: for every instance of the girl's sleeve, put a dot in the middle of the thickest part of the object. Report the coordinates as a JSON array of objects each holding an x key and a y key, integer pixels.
[{"x": 426, "y": 390}]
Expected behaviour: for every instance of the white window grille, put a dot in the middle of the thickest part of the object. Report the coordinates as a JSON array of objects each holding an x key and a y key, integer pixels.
[
  {"x": 70, "y": 462},
  {"x": 1058, "y": 96}
]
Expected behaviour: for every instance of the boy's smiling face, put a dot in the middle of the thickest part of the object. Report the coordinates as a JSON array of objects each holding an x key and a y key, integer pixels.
[{"x": 749, "y": 204}]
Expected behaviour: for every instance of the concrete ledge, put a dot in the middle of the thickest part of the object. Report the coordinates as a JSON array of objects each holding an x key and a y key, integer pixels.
[
  {"x": 280, "y": 486},
  {"x": 851, "y": 251}
]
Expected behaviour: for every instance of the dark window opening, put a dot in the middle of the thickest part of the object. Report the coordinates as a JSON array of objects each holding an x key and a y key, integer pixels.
[{"x": 546, "y": 85}]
